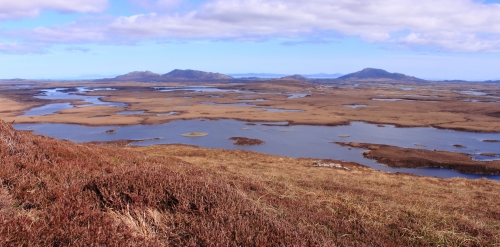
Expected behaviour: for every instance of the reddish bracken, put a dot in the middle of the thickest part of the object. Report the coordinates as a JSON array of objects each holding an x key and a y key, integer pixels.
[{"x": 59, "y": 193}]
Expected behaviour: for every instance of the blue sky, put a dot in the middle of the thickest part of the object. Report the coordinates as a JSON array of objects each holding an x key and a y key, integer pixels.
[{"x": 436, "y": 39}]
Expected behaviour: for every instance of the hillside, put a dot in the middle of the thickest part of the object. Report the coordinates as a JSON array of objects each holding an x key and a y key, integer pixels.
[
  {"x": 377, "y": 74},
  {"x": 195, "y": 75},
  {"x": 59, "y": 193},
  {"x": 296, "y": 77},
  {"x": 175, "y": 75},
  {"x": 138, "y": 75}
]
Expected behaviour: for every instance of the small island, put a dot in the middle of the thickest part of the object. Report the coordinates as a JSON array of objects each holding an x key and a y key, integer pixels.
[
  {"x": 243, "y": 141},
  {"x": 195, "y": 134},
  {"x": 491, "y": 140}
]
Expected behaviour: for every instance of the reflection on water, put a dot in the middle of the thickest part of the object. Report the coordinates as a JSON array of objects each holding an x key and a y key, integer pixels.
[
  {"x": 471, "y": 92},
  {"x": 255, "y": 106},
  {"x": 381, "y": 99},
  {"x": 226, "y": 104},
  {"x": 479, "y": 101},
  {"x": 70, "y": 95},
  {"x": 280, "y": 110},
  {"x": 86, "y": 89},
  {"x": 167, "y": 114},
  {"x": 298, "y": 95},
  {"x": 420, "y": 96},
  {"x": 293, "y": 141},
  {"x": 66, "y": 94},
  {"x": 196, "y": 89},
  {"x": 354, "y": 106},
  {"x": 255, "y": 100},
  {"x": 395, "y": 99},
  {"x": 47, "y": 109}
]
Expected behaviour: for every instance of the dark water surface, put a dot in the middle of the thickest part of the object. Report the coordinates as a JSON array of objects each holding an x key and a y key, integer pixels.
[
  {"x": 63, "y": 94},
  {"x": 47, "y": 109},
  {"x": 354, "y": 106},
  {"x": 292, "y": 141},
  {"x": 298, "y": 95},
  {"x": 195, "y": 89},
  {"x": 69, "y": 94}
]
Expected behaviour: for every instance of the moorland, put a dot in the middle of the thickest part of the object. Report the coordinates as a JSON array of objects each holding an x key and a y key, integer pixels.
[{"x": 59, "y": 193}]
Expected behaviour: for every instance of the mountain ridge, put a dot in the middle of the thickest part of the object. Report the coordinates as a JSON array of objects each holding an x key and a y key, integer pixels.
[
  {"x": 371, "y": 73},
  {"x": 296, "y": 77},
  {"x": 196, "y": 74},
  {"x": 273, "y": 75},
  {"x": 174, "y": 75}
]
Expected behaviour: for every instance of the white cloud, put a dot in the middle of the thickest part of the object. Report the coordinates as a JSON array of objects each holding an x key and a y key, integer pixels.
[
  {"x": 454, "y": 25},
  {"x": 13, "y": 9},
  {"x": 158, "y": 5}
]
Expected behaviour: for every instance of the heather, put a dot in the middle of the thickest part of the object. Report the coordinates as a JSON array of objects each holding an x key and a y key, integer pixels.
[{"x": 59, "y": 193}]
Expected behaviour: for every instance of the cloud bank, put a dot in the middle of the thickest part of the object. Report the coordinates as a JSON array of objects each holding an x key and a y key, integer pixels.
[
  {"x": 449, "y": 25},
  {"x": 157, "y": 5},
  {"x": 14, "y": 9}
]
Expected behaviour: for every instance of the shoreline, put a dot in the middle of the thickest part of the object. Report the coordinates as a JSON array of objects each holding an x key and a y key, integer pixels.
[
  {"x": 290, "y": 123},
  {"x": 397, "y": 157},
  {"x": 395, "y": 150}
]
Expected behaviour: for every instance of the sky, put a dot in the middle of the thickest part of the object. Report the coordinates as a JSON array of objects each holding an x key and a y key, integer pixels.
[{"x": 430, "y": 39}]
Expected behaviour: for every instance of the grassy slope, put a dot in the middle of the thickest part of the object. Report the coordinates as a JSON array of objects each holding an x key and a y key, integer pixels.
[{"x": 57, "y": 193}]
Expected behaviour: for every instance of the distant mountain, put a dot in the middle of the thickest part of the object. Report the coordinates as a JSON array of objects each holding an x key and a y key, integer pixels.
[
  {"x": 270, "y": 75},
  {"x": 196, "y": 75},
  {"x": 374, "y": 74},
  {"x": 174, "y": 75},
  {"x": 453, "y": 81},
  {"x": 80, "y": 78},
  {"x": 13, "y": 80},
  {"x": 323, "y": 76},
  {"x": 296, "y": 77},
  {"x": 138, "y": 75},
  {"x": 257, "y": 75}
]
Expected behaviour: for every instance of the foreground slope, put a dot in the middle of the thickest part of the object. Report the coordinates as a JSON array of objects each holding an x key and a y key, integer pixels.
[{"x": 58, "y": 193}]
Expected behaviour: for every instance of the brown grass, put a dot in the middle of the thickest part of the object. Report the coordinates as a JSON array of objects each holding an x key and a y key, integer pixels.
[
  {"x": 325, "y": 106},
  {"x": 359, "y": 206},
  {"x": 58, "y": 193}
]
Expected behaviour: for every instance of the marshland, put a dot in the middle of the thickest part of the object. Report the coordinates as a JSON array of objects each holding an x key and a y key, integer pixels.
[{"x": 177, "y": 163}]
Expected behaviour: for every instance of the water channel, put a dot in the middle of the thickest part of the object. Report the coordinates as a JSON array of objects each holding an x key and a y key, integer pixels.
[
  {"x": 69, "y": 94},
  {"x": 292, "y": 141}
]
